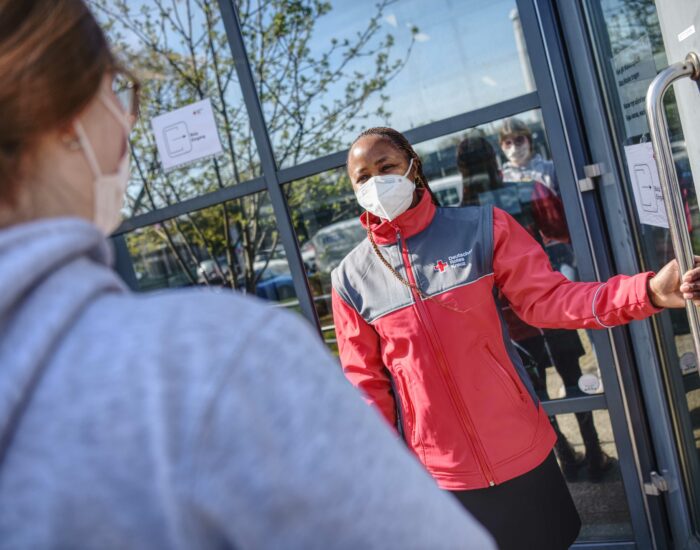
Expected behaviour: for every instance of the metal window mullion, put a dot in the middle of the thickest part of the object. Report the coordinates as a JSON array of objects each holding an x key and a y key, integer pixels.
[
  {"x": 199, "y": 202},
  {"x": 267, "y": 160},
  {"x": 123, "y": 263},
  {"x": 575, "y": 404},
  {"x": 433, "y": 130}
]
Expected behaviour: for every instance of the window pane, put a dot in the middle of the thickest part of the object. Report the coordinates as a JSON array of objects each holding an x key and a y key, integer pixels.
[
  {"x": 233, "y": 245},
  {"x": 326, "y": 70},
  {"x": 561, "y": 363},
  {"x": 326, "y": 219},
  {"x": 590, "y": 464},
  {"x": 507, "y": 164},
  {"x": 180, "y": 53}
]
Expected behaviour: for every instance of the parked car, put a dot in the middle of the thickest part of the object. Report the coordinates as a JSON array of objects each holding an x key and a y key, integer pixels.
[
  {"x": 449, "y": 190},
  {"x": 275, "y": 282},
  {"x": 208, "y": 272},
  {"x": 326, "y": 249}
]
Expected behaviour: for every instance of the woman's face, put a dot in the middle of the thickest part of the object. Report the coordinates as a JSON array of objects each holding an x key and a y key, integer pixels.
[
  {"x": 61, "y": 181},
  {"x": 516, "y": 148},
  {"x": 374, "y": 156}
]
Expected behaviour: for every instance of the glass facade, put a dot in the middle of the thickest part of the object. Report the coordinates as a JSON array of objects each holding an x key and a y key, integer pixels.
[
  {"x": 181, "y": 55},
  {"x": 232, "y": 245},
  {"x": 325, "y": 71},
  {"x": 291, "y": 84}
]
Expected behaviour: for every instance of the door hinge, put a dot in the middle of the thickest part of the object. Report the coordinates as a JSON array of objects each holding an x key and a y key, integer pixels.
[
  {"x": 658, "y": 484},
  {"x": 592, "y": 171}
]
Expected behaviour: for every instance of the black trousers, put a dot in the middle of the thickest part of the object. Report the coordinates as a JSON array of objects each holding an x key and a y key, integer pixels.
[{"x": 534, "y": 511}]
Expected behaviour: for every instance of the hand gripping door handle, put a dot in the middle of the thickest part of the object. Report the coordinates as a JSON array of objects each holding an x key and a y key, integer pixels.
[{"x": 658, "y": 129}]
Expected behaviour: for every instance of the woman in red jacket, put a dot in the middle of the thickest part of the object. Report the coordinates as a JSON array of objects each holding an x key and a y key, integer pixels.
[{"x": 420, "y": 333}]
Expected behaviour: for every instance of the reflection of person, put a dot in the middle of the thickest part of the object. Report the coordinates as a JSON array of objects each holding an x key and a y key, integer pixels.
[
  {"x": 539, "y": 211},
  {"x": 515, "y": 139},
  {"x": 414, "y": 309},
  {"x": 180, "y": 420},
  {"x": 526, "y": 168}
]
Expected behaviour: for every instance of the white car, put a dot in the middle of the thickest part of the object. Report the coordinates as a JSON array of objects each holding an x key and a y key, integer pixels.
[{"x": 326, "y": 249}]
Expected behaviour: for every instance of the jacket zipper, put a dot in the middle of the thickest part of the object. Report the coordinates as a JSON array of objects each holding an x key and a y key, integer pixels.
[{"x": 462, "y": 413}]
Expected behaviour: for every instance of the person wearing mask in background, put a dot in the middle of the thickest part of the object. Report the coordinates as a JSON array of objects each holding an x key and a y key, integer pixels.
[
  {"x": 523, "y": 164},
  {"x": 184, "y": 419},
  {"x": 419, "y": 332},
  {"x": 541, "y": 212},
  {"x": 525, "y": 167}
]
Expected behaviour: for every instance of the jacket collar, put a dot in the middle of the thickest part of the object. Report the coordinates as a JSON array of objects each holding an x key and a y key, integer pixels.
[{"x": 411, "y": 222}]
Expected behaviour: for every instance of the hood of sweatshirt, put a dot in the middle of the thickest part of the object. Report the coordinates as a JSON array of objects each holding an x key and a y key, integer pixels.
[{"x": 50, "y": 271}]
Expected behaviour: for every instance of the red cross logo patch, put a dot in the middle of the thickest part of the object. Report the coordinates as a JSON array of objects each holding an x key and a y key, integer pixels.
[{"x": 440, "y": 266}]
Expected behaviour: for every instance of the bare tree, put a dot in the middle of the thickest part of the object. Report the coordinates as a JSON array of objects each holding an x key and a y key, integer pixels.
[{"x": 310, "y": 99}]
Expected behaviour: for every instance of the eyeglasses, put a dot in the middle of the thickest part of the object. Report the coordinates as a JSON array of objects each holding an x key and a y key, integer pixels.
[
  {"x": 126, "y": 87},
  {"x": 517, "y": 140}
]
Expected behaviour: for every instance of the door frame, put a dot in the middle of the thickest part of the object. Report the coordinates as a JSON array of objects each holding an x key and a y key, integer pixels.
[
  {"x": 547, "y": 44},
  {"x": 668, "y": 515}
]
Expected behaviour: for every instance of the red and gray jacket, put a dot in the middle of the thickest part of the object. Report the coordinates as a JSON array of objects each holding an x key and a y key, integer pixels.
[{"x": 468, "y": 408}]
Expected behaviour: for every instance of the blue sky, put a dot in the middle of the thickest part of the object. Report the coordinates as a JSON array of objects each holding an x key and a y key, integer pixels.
[{"x": 465, "y": 57}]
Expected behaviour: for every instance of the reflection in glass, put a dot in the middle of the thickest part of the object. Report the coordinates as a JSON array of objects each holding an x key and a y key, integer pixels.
[
  {"x": 180, "y": 52},
  {"x": 597, "y": 485},
  {"x": 233, "y": 245},
  {"x": 327, "y": 70},
  {"x": 325, "y": 214},
  {"x": 506, "y": 164}
]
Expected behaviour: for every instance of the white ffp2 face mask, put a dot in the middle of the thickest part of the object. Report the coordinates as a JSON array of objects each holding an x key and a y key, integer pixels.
[
  {"x": 387, "y": 196},
  {"x": 109, "y": 189}
]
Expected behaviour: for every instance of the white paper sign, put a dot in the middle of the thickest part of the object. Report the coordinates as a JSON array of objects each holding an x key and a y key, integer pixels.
[
  {"x": 634, "y": 70},
  {"x": 186, "y": 135},
  {"x": 645, "y": 184}
]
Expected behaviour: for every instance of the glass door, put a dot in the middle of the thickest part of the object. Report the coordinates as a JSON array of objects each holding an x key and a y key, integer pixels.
[{"x": 630, "y": 49}]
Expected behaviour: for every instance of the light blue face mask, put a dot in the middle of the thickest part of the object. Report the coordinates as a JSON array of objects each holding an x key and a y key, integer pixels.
[{"x": 387, "y": 196}]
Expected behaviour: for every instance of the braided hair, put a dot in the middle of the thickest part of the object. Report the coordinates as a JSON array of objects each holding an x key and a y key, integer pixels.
[{"x": 399, "y": 141}]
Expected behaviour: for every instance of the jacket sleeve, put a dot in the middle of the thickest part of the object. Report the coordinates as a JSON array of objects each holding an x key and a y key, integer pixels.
[
  {"x": 360, "y": 357},
  {"x": 545, "y": 298}
]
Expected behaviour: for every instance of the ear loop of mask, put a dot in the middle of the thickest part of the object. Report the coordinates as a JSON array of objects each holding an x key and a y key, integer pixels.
[
  {"x": 87, "y": 149},
  {"x": 85, "y": 141}
]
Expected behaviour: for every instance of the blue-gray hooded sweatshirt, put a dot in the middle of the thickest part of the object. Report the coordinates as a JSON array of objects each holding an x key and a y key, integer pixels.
[{"x": 186, "y": 419}]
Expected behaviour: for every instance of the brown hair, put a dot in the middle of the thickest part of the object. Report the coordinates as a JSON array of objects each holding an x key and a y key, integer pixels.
[
  {"x": 53, "y": 56},
  {"x": 399, "y": 141},
  {"x": 514, "y": 127}
]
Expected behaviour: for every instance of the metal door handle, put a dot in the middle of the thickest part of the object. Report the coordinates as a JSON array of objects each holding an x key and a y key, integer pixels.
[{"x": 658, "y": 129}]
